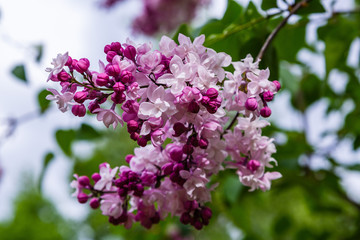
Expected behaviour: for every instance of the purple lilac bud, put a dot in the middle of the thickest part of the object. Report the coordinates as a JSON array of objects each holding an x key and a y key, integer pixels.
[
  {"x": 110, "y": 56},
  {"x": 132, "y": 126},
  {"x": 188, "y": 149},
  {"x": 253, "y": 165},
  {"x": 265, "y": 112},
  {"x": 193, "y": 107},
  {"x": 205, "y": 100},
  {"x": 203, "y": 143},
  {"x": 78, "y": 110},
  {"x": 107, "y": 48},
  {"x": 179, "y": 129},
  {"x": 93, "y": 105},
  {"x": 118, "y": 98},
  {"x": 115, "y": 46},
  {"x": 82, "y": 65},
  {"x": 130, "y": 52},
  {"x": 80, "y": 97},
  {"x": 139, "y": 190},
  {"x": 185, "y": 218},
  {"x": 212, "y": 93},
  {"x": 82, "y": 197},
  {"x": 148, "y": 178},
  {"x": 206, "y": 213},
  {"x": 127, "y": 77},
  {"x": 94, "y": 203},
  {"x": 134, "y": 136},
  {"x": 119, "y": 87},
  {"x": 128, "y": 158},
  {"x": 176, "y": 154},
  {"x": 268, "y": 96},
  {"x": 198, "y": 225},
  {"x": 142, "y": 141},
  {"x": 96, "y": 177},
  {"x": 102, "y": 79},
  {"x": 277, "y": 84},
  {"x": 69, "y": 62},
  {"x": 84, "y": 181},
  {"x": 167, "y": 168},
  {"x": 251, "y": 104},
  {"x": 112, "y": 70},
  {"x": 63, "y": 76}
]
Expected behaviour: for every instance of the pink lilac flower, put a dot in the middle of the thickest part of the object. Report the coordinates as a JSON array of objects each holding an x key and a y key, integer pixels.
[
  {"x": 107, "y": 174},
  {"x": 58, "y": 63},
  {"x": 63, "y": 101}
]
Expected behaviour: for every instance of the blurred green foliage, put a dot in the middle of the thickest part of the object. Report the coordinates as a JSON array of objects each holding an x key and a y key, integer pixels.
[{"x": 304, "y": 204}]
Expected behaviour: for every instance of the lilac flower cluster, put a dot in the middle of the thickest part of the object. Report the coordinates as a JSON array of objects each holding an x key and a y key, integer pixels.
[
  {"x": 181, "y": 94},
  {"x": 162, "y": 15}
]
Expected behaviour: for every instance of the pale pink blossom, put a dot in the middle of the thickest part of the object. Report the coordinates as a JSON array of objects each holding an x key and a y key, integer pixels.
[
  {"x": 63, "y": 101},
  {"x": 111, "y": 205},
  {"x": 107, "y": 175},
  {"x": 58, "y": 63},
  {"x": 108, "y": 116}
]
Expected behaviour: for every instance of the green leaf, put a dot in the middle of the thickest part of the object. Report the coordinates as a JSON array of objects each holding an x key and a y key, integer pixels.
[
  {"x": 290, "y": 40},
  {"x": 232, "y": 13},
  {"x": 87, "y": 132},
  {"x": 355, "y": 167},
  {"x": 19, "y": 72},
  {"x": 337, "y": 35},
  {"x": 231, "y": 188},
  {"x": 64, "y": 139},
  {"x": 44, "y": 104},
  {"x": 47, "y": 159},
  {"x": 184, "y": 29},
  {"x": 39, "y": 52},
  {"x": 267, "y": 4},
  {"x": 314, "y": 6}
]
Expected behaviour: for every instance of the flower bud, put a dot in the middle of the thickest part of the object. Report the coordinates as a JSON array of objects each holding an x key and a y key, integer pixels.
[
  {"x": 102, "y": 79},
  {"x": 119, "y": 87},
  {"x": 130, "y": 52},
  {"x": 132, "y": 126},
  {"x": 193, "y": 107},
  {"x": 134, "y": 136},
  {"x": 80, "y": 97},
  {"x": 188, "y": 149},
  {"x": 63, "y": 76},
  {"x": 203, "y": 143},
  {"x": 178, "y": 167},
  {"x": 82, "y": 65},
  {"x": 126, "y": 77},
  {"x": 251, "y": 104},
  {"x": 93, "y": 105},
  {"x": 206, "y": 213},
  {"x": 96, "y": 177},
  {"x": 84, "y": 181},
  {"x": 69, "y": 62},
  {"x": 107, "y": 48},
  {"x": 128, "y": 158},
  {"x": 110, "y": 56},
  {"x": 179, "y": 129},
  {"x": 78, "y": 110},
  {"x": 94, "y": 203},
  {"x": 185, "y": 218},
  {"x": 205, "y": 100},
  {"x": 118, "y": 98},
  {"x": 82, "y": 197},
  {"x": 265, "y": 112},
  {"x": 139, "y": 190},
  {"x": 167, "y": 168},
  {"x": 176, "y": 154},
  {"x": 212, "y": 93},
  {"x": 115, "y": 46},
  {"x": 277, "y": 84},
  {"x": 268, "y": 96},
  {"x": 253, "y": 165},
  {"x": 142, "y": 141},
  {"x": 113, "y": 70}
]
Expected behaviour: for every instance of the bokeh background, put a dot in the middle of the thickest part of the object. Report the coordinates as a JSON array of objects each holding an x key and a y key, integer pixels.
[{"x": 314, "y": 121}]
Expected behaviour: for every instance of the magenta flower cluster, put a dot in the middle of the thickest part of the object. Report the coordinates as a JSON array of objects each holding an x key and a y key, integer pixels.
[
  {"x": 190, "y": 118},
  {"x": 162, "y": 15}
]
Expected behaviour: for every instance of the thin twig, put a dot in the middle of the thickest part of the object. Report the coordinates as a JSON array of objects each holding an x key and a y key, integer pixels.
[{"x": 281, "y": 25}]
